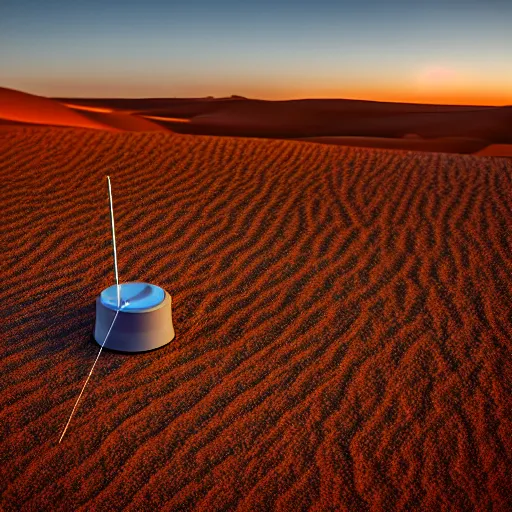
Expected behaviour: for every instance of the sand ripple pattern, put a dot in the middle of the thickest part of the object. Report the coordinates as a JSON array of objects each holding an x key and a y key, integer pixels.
[{"x": 343, "y": 321}]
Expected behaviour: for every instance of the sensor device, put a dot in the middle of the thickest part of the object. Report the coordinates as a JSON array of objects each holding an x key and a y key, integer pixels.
[{"x": 144, "y": 321}]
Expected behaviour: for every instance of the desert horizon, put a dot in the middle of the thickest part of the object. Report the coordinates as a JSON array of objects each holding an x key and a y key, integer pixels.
[
  {"x": 455, "y": 100},
  {"x": 437, "y": 89},
  {"x": 481, "y": 130}
]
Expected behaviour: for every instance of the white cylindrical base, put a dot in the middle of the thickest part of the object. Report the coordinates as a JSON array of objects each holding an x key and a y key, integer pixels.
[{"x": 144, "y": 321}]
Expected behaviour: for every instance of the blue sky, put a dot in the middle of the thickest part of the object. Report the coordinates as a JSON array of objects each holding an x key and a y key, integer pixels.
[{"x": 452, "y": 51}]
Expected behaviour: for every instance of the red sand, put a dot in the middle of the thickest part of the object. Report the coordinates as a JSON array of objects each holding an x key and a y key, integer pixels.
[
  {"x": 496, "y": 150},
  {"x": 342, "y": 317},
  {"x": 126, "y": 122},
  {"x": 470, "y": 127},
  {"x": 168, "y": 119},
  {"x": 27, "y": 108},
  {"x": 21, "y": 108},
  {"x": 85, "y": 108},
  {"x": 313, "y": 119},
  {"x": 409, "y": 143},
  {"x": 434, "y": 128}
]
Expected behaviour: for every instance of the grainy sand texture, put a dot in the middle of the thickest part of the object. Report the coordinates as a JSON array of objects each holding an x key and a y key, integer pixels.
[{"x": 342, "y": 316}]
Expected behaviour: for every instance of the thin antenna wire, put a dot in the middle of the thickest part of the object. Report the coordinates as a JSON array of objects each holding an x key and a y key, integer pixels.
[
  {"x": 115, "y": 316},
  {"x": 88, "y": 377},
  {"x": 114, "y": 242}
]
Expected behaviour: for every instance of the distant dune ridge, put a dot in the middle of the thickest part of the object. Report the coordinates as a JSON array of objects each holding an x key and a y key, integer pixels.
[
  {"x": 21, "y": 107},
  {"x": 405, "y": 126},
  {"x": 342, "y": 317},
  {"x": 18, "y": 107},
  {"x": 470, "y": 128}
]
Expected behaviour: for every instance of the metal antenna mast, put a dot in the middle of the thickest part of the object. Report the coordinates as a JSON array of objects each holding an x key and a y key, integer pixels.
[{"x": 114, "y": 242}]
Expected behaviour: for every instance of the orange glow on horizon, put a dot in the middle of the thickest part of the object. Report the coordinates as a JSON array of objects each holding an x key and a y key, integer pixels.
[
  {"x": 434, "y": 96},
  {"x": 441, "y": 99},
  {"x": 437, "y": 88}
]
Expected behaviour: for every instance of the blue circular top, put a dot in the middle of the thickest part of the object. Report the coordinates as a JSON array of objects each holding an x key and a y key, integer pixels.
[{"x": 134, "y": 296}]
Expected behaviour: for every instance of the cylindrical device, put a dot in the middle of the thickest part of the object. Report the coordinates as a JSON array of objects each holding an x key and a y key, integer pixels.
[{"x": 144, "y": 321}]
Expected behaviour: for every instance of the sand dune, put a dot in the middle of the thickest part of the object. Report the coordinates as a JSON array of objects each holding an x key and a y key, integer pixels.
[
  {"x": 295, "y": 120},
  {"x": 441, "y": 145},
  {"x": 21, "y": 107},
  {"x": 148, "y": 105},
  {"x": 314, "y": 118},
  {"x": 436, "y": 128},
  {"x": 85, "y": 108},
  {"x": 125, "y": 122},
  {"x": 496, "y": 150},
  {"x": 342, "y": 323},
  {"x": 17, "y": 107},
  {"x": 168, "y": 119}
]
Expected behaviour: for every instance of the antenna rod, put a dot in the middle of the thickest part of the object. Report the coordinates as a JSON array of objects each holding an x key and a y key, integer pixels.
[
  {"x": 88, "y": 377},
  {"x": 114, "y": 242},
  {"x": 113, "y": 320}
]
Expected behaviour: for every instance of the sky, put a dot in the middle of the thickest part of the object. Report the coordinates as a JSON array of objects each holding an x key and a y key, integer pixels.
[{"x": 451, "y": 51}]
